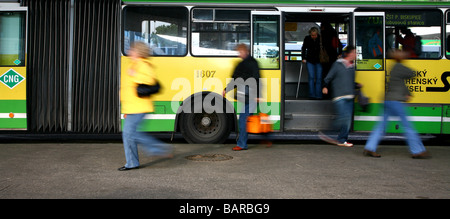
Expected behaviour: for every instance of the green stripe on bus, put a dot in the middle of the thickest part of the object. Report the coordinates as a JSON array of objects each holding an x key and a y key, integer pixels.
[
  {"x": 8, "y": 123},
  {"x": 434, "y": 126},
  {"x": 15, "y": 106},
  {"x": 165, "y": 107}
]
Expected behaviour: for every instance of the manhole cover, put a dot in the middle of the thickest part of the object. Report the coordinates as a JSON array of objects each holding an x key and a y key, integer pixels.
[{"x": 209, "y": 157}]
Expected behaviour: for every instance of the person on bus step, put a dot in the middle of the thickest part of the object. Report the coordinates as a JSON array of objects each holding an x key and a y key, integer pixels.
[
  {"x": 246, "y": 79},
  {"x": 397, "y": 92},
  {"x": 332, "y": 44},
  {"x": 341, "y": 80},
  {"x": 135, "y": 108},
  {"x": 310, "y": 56}
]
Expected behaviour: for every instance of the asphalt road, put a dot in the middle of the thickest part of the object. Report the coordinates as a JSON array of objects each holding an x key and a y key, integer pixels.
[{"x": 299, "y": 170}]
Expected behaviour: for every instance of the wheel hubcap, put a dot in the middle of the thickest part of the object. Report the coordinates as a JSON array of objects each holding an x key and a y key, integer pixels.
[{"x": 206, "y": 121}]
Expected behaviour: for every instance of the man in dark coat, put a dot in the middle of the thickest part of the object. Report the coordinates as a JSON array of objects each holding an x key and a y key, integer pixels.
[{"x": 246, "y": 79}]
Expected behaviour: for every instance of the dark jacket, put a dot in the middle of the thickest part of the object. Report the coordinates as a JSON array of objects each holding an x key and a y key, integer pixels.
[
  {"x": 311, "y": 49},
  {"x": 397, "y": 90},
  {"x": 341, "y": 79},
  {"x": 246, "y": 69}
]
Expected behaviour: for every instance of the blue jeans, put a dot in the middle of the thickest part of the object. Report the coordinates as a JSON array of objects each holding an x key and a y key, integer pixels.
[
  {"x": 343, "y": 122},
  {"x": 395, "y": 108},
  {"x": 131, "y": 137},
  {"x": 315, "y": 79},
  {"x": 246, "y": 110}
]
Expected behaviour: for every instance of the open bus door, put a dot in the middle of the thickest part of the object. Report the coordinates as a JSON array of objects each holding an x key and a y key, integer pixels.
[{"x": 369, "y": 40}]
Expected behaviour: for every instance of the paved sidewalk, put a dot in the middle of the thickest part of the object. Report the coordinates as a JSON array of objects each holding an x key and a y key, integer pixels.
[{"x": 283, "y": 171}]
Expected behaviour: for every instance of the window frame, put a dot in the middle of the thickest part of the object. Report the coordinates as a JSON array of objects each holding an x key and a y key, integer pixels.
[
  {"x": 186, "y": 19},
  {"x": 279, "y": 42},
  {"x": 368, "y": 14},
  {"x": 441, "y": 24},
  {"x": 191, "y": 18},
  {"x": 192, "y": 21},
  {"x": 446, "y": 27}
]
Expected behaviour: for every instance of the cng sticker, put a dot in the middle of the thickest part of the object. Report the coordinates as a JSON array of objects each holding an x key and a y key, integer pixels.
[{"x": 11, "y": 78}]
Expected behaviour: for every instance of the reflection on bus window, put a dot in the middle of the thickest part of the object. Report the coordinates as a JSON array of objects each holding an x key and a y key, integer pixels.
[
  {"x": 12, "y": 38},
  {"x": 418, "y": 32},
  {"x": 217, "y": 32},
  {"x": 448, "y": 42},
  {"x": 163, "y": 28},
  {"x": 266, "y": 48},
  {"x": 447, "y": 35},
  {"x": 369, "y": 43}
]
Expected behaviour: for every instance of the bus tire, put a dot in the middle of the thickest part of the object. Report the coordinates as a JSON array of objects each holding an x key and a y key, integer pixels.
[{"x": 206, "y": 128}]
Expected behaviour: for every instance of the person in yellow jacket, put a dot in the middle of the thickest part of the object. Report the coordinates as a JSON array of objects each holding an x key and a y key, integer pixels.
[{"x": 140, "y": 71}]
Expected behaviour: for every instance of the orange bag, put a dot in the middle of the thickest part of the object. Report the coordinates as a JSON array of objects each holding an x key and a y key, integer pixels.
[{"x": 259, "y": 123}]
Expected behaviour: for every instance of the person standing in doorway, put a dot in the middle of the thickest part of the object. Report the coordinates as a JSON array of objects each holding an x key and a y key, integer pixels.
[
  {"x": 246, "y": 80},
  {"x": 341, "y": 80},
  {"x": 396, "y": 94},
  {"x": 310, "y": 57},
  {"x": 332, "y": 44},
  {"x": 135, "y": 108}
]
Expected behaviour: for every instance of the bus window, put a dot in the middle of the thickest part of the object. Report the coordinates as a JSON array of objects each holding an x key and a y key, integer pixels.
[
  {"x": 163, "y": 28},
  {"x": 12, "y": 38},
  {"x": 216, "y": 32},
  {"x": 266, "y": 41},
  {"x": 369, "y": 42},
  {"x": 417, "y": 32},
  {"x": 447, "y": 35}
]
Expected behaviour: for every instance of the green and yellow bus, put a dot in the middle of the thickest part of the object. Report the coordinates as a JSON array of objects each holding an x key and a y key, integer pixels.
[{"x": 193, "y": 55}]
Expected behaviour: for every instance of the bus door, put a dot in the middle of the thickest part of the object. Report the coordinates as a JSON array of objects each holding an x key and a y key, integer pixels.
[
  {"x": 266, "y": 49},
  {"x": 369, "y": 40},
  {"x": 13, "y": 114}
]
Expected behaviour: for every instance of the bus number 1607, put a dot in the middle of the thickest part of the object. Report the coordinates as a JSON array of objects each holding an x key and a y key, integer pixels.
[{"x": 205, "y": 73}]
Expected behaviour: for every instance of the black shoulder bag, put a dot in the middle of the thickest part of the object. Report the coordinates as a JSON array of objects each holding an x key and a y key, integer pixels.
[{"x": 145, "y": 90}]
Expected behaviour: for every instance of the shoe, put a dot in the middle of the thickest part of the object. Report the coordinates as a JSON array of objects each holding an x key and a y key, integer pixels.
[
  {"x": 423, "y": 155},
  {"x": 237, "y": 148},
  {"x": 126, "y": 168},
  {"x": 327, "y": 139},
  {"x": 345, "y": 144},
  {"x": 267, "y": 143},
  {"x": 371, "y": 154}
]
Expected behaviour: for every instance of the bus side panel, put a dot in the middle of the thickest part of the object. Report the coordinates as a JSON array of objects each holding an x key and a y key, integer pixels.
[
  {"x": 373, "y": 87},
  {"x": 424, "y": 119},
  {"x": 429, "y": 84},
  {"x": 429, "y": 92},
  {"x": 13, "y": 105},
  {"x": 446, "y": 119},
  {"x": 180, "y": 77}
]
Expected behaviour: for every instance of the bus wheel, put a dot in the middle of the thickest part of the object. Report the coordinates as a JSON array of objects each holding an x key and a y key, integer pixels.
[{"x": 204, "y": 128}]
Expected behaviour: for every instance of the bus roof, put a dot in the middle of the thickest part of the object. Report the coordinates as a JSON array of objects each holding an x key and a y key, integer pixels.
[{"x": 296, "y": 2}]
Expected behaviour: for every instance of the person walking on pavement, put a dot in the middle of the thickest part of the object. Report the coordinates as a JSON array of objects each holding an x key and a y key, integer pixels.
[
  {"x": 341, "y": 80},
  {"x": 396, "y": 94},
  {"x": 135, "y": 108},
  {"x": 246, "y": 79}
]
